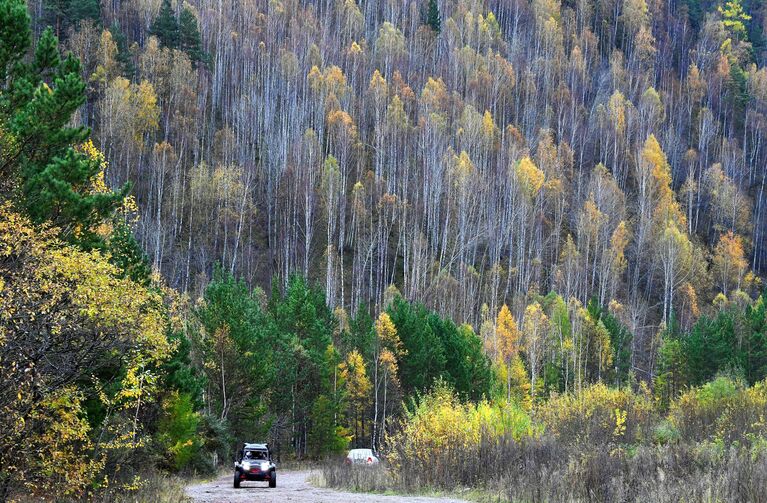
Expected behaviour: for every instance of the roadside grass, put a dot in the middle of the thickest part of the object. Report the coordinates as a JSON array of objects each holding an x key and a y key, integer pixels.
[
  {"x": 300, "y": 465},
  {"x": 378, "y": 479},
  {"x": 544, "y": 470},
  {"x": 150, "y": 487},
  {"x": 153, "y": 487},
  {"x": 597, "y": 445}
]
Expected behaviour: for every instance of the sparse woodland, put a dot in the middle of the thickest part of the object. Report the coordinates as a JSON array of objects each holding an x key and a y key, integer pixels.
[{"x": 340, "y": 223}]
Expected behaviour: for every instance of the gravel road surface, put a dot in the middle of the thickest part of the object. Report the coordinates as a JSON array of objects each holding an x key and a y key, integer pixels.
[{"x": 292, "y": 486}]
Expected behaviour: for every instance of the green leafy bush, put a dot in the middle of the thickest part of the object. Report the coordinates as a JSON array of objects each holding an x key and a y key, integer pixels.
[{"x": 177, "y": 430}]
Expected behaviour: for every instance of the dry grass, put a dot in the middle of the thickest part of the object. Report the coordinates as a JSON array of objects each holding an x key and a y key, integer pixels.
[
  {"x": 602, "y": 445},
  {"x": 546, "y": 470},
  {"x": 357, "y": 478}
]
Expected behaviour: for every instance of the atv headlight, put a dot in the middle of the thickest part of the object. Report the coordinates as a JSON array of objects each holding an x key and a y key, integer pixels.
[
  {"x": 246, "y": 465},
  {"x": 265, "y": 466}
]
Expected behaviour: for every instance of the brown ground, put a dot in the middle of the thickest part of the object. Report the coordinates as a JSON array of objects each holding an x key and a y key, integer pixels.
[{"x": 292, "y": 486}]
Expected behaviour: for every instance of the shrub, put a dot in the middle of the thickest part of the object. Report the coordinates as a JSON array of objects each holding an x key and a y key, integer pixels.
[
  {"x": 723, "y": 410},
  {"x": 442, "y": 439},
  {"x": 665, "y": 433},
  {"x": 177, "y": 431},
  {"x": 598, "y": 415}
]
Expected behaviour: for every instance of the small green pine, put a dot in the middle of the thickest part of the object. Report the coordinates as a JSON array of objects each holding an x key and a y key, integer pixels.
[
  {"x": 432, "y": 16},
  {"x": 165, "y": 26},
  {"x": 189, "y": 36}
]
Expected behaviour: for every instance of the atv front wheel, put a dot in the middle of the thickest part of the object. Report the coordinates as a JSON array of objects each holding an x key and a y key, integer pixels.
[
  {"x": 236, "y": 479},
  {"x": 273, "y": 480}
]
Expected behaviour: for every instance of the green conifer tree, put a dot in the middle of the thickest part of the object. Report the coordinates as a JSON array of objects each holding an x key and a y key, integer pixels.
[
  {"x": 64, "y": 14},
  {"x": 60, "y": 192},
  {"x": 432, "y": 16},
  {"x": 126, "y": 253},
  {"x": 189, "y": 36},
  {"x": 83, "y": 9},
  {"x": 123, "y": 53},
  {"x": 165, "y": 26},
  {"x": 15, "y": 37},
  {"x": 50, "y": 179}
]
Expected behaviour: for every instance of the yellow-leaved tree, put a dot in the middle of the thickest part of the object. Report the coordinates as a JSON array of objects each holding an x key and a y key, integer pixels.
[
  {"x": 729, "y": 261},
  {"x": 535, "y": 340},
  {"x": 666, "y": 206},
  {"x": 357, "y": 387},
  {"x": 388, "y": 349},
  {"x": 508, "y": 344},
  {"x": 530, "y": 177},
  {"x": 66, "y": 314},
  {"x": 519, "y": 383}
]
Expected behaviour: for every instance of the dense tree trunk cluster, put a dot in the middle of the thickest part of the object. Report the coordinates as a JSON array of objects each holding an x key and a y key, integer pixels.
[{"x": 469, "y": 153}]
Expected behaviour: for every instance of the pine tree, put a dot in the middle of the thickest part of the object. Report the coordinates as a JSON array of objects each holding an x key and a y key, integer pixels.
[
  {"x": 734, "y": 18},
  {"x": 738, "y": 92},
  {"x": 54, "y": 180},
  {"x": 61, "y": 193},
  {"x": 432, "y": 16},
  {"x": 189, "y": 36},
  {"x": 123, "y": 53},
  {"x": 425, "y": 359},
  {"x": 65, "y": 14},
  {"x": 83, "y": 9},
  {"x": 15, "y": 37},
  {"x": 620, "y": 339},
  {"x": 231, "y": 341},
  {"x": 165, "y": 26},
  {"x": 126, "y": 253}
]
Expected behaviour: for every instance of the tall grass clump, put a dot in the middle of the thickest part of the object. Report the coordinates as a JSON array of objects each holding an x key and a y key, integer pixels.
[
  {"x": 375, "y": 478},
  {"x": 668, "y": 474}
]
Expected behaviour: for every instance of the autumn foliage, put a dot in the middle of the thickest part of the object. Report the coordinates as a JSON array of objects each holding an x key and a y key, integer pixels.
[{"x": 511, "y": 245}]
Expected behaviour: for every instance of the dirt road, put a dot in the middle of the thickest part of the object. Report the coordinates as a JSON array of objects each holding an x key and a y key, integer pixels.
[{"x": 293, "y": 487}]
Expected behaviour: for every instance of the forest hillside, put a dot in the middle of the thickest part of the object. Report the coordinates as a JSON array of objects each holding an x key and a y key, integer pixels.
[
  {"x": 471, "y": 153},
  {"x": 338, "y": 223}
]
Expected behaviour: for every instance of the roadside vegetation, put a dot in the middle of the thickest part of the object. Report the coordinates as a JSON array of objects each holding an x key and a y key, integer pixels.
[
  {"x": 599, "y": 444},
  {"x": 515, "y": 247}
]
